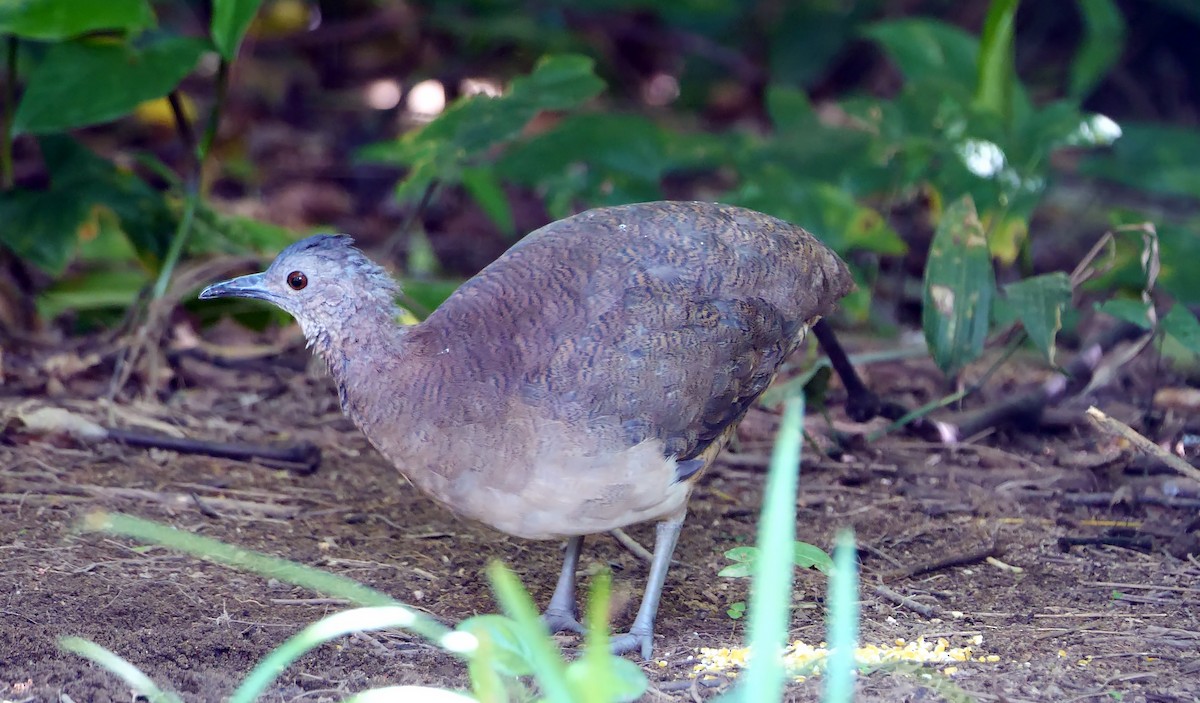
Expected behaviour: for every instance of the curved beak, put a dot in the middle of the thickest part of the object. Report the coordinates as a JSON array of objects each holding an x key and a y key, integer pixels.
[{"x": 252, "y": 286}]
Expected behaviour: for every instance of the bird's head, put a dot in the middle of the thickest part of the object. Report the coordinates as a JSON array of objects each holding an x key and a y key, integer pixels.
[{"x": 326, "y": 283}]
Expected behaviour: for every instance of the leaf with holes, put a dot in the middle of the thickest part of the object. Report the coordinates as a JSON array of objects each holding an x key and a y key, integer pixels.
[
  {"x": 1039, "y": 302},
  {"x": 959, "y": 286}
]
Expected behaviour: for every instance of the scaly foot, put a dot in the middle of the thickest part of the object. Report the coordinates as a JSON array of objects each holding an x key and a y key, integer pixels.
[
  {"x": 634, "y": 640},
  {"x": 561, "y": 620}
]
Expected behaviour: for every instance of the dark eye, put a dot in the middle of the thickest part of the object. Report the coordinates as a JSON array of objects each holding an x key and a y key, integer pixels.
[{"x": 297, "y": 280}]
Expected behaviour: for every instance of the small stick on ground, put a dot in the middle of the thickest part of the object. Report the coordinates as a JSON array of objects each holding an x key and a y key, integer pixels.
[
  {"x": 1114, "y": 427},
  {"x": 632, "y": 545},
  {"x": 929, "y": 611},
  {"x": 992, "y": 550}
]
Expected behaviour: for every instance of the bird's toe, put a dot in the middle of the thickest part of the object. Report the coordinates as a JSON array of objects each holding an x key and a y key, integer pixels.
[
  {"x": 557, "y": 620},
  {"x": 633, "y": 641}
]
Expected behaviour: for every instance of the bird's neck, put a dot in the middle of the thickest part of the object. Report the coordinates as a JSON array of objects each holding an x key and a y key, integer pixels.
[{"x": 370, "y": 335}]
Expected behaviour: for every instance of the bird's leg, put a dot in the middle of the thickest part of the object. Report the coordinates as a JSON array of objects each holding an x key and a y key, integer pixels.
[
  {"x": 641, "y": 635},
  {"x": 560, "y": 614}
]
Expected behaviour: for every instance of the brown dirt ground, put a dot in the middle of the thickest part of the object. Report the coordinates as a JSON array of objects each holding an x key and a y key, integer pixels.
[{"x": 1059, "y": 632}]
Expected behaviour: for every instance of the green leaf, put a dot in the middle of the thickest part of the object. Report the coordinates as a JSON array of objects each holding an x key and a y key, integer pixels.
[
  {"x": 482, "y": 185},
  {"x": 1103, "y": 42},
  {"x": 958, "y": 290},
  {"x": 599, "y": 158},
  {"x": 997, "y": 70},
  {"x": 230, "y": 20},
  {"x": 810, "y": 556},
  {"x": 1039, "y": 302},
  {"x": 543, "y": 655},
  {"x": 743, "y": 566},
  {"x": 79, "y": 83},
  {"x": 925, "y": 48},
  {"x": 1181, "y": 324},
  {"x": 557, "y": 83},
  {"x": 511, "y": 656},
  {"x": 216, "y": 231},
  {"x": 54, "y": 20},
  {"x": 93, "y": 292},
  {"x": 43, "y": 226},
  {"x": 789, "y": 109},
  {"x": 1128, "y": 309},
  {"x": 467, "y": 132},
  {"x": 599, "y": 675},
  {"x": 620, "y": 680}
]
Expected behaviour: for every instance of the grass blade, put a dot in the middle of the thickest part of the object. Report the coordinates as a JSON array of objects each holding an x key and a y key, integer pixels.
[
  {"x": 771, "y": 593},
  {"x": 331, "y": 628},
  {"x": 843, "y": 621},
  {"x": 119, "y": 666},
  {"x": 548, "y": 666},
  {"x": 261, "y": 564}
]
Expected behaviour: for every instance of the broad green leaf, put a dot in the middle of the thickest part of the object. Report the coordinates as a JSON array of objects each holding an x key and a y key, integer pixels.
[
  {"x": 743, "y": 559},
  {"x": 230, "y": 19},
  {"x": 997, "y": 70},
  {"x": 41, "y": 226},
  {"x": 1127, "y": 309},
  {"x": 544, "y": 657},
  {"x": 810, "y": 556},
  {"x": 926, "y": 48},
  {"x": 79, "y": 83},
  {"x": 1039, "y": 302},
  {"x": 557, "y": 83},
  {"x": 1181, "y": 324},
  {"x": 44, "y": 226},
  {"x": 1151, "y": 157},
  {"x": 510, "y": 654},
  {"x": 54, "y": 20},
  {"x": 789, "y": 108},
  {"x": 620, "y": 680},
  {"x": 218, "y": 232},
  {"x": 958, "y": 290},
  {"x": 466, "y": 132},
  {"x": 1103, "y": 42},
  {"x": 481, "y": 183},
  {"x": 596, "y": 158}
]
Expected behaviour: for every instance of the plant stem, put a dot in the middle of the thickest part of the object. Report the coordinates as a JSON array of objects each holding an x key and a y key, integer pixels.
[
  {"x": 195, "y": 183},
  {"x": 7, "y": 178},
  {"x": 191, "y": 201},
  {"x": 214, "y": 115}
]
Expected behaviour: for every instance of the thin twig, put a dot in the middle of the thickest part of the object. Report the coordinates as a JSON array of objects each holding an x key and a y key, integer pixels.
[
  {"x": 632, "y": 545},
  {"x": 926, "y": 610},
  {"x": 974, "y": 557},
  {"x": 1114, "y": 427}
]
